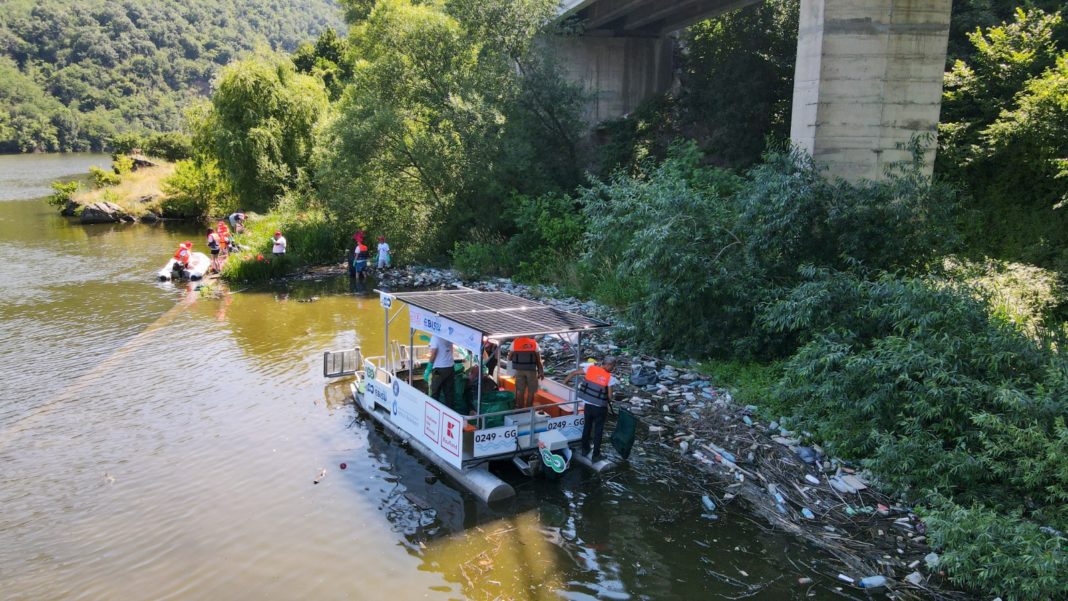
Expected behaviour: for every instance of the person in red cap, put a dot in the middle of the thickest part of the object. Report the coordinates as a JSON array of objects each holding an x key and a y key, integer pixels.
[{"x": 279, "y": 244}]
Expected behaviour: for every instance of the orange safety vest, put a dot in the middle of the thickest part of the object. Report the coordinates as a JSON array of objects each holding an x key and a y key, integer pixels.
[
  {"x": 594, "y": 386},
  {"x": 524, "y": 354},
  {"x": 182, "y": 254},
  {"x": 223, "y": 230}
]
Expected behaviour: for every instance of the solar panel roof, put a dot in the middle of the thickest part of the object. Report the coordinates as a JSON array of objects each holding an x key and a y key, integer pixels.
[{"x": 499, "y": 313}]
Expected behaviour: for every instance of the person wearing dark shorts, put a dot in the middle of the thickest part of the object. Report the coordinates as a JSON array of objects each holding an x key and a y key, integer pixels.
[{"x": 214, "y": 245}]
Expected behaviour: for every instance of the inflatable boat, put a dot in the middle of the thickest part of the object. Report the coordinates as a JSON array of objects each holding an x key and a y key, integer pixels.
[{"x": 199, "y": 264}]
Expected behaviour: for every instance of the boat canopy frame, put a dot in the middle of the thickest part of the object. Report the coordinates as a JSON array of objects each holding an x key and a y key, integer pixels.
[{"x": 469, "y": 317}]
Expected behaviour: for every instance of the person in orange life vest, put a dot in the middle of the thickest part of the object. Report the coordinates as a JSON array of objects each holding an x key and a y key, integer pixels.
[
  {"x": 214, "y": 245},
  {"x": 526, "y": 360},
  {"x": 181, "y": 257},
  {"x": 595, "y": 390},
  {"x": 224, "y": 238}
]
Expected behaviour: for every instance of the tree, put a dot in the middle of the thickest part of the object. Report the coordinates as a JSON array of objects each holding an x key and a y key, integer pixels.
[{"x": 262, "y": 127}]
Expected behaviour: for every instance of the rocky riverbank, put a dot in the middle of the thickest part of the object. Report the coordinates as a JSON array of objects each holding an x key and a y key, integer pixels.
[{"x": 779, "y": 475}]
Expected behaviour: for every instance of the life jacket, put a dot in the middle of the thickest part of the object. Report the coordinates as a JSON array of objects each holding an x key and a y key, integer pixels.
[
  {"x": 213, "y": 241},
  {"x": 524, "y": 354},
  {"x": 181, "y": 256},
  {"x": 223, "y": 231},
  {"x": 594, "y": 386},
  {"x": 361, "y": 252}
]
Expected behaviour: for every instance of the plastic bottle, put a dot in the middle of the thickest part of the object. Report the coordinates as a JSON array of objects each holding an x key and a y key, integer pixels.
[
  {"x": 873, "y": 582},
  {"x": 805, "y": 511},
  {"x": 709, "y": 504}
]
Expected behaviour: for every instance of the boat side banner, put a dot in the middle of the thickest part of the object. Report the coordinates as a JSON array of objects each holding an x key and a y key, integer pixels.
[
  {"x": 448, "y": 329},
  {"x": 426, "y": 420}
]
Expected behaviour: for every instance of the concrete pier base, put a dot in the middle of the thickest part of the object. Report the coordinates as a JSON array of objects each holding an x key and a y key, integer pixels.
[{"x": 868, "y": 78}]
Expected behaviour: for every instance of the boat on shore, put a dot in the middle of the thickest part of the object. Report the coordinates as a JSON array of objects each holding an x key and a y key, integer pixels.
[
  {"x": 483, "y": 427},
  {"x": 199, "y": 264}
]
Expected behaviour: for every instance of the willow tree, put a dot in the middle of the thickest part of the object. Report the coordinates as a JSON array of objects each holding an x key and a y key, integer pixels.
[{"x": 262, "y": 125}]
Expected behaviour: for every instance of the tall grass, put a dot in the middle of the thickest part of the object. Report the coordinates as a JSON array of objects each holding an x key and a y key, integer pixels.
[
  {"x": 311, "y": 240},
  {"x": 131, "y": 189}
]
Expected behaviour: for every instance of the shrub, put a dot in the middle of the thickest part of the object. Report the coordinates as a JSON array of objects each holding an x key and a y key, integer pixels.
[
  {"x": 937, "y": 394},
  {"x": 196, "y": 189},
  {"x": 480, "y": 259},
  {"x": 122, "y": 164},
  {"x": 998, "y": 553},
  {"x": 101, "y": 178},
  {"x": 63, "y": 193},
  {"x": 311, "y": 239}
]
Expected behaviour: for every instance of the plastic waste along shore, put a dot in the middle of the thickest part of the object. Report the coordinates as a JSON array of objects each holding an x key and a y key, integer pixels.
[{"x": 873, "y": 582}]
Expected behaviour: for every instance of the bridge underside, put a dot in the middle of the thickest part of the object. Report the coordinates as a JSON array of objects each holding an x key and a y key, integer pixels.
[
  {"x": 645, "y": 18},
  {"x": 868, "y": 76}
]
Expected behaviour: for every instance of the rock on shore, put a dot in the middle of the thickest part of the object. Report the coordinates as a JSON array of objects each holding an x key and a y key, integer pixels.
[{"x": 104, "y": 212}]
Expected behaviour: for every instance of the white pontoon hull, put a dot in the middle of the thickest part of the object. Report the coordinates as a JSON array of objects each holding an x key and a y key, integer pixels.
[{"x": 199, "y": 264}]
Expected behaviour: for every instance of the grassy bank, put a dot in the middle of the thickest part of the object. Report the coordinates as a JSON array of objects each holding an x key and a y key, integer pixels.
[
  {"x": 311, "y": 240},
  {"x": 136, "y": 192}
]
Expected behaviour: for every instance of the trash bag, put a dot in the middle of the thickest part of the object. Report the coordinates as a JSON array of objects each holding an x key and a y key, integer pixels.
[
  {"x": 644, "y": 376},
  {"x": 623, "y": 436}
]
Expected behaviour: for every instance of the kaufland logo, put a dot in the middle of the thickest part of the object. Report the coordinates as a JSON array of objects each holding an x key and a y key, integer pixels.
[{"x": 451, "y": 441}]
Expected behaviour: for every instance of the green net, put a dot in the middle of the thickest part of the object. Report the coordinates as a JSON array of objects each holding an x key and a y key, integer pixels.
[{"x": 623, "y": 437}]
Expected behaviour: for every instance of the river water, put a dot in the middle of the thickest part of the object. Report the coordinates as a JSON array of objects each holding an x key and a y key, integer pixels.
[{"x": 157, "y": 443}]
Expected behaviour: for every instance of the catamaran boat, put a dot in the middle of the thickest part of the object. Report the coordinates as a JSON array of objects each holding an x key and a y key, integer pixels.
[{"x": 483, "y": 427}]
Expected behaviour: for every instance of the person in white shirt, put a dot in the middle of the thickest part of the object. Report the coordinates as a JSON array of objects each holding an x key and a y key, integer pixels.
[
  {"x": 279, "y": 247},
  {"x": 444, "y": 370},
  {"x": 383, "y": 253}
]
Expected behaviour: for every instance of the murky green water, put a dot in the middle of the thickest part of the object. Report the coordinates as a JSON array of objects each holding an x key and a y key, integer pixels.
[{"x": 159, "y": 444}]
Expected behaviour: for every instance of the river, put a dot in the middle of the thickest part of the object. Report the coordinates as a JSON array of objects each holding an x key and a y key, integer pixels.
[{"x": 156, "y": 443}]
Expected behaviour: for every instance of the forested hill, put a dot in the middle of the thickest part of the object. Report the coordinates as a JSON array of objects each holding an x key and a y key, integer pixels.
[{"x": 75, "y": 72}]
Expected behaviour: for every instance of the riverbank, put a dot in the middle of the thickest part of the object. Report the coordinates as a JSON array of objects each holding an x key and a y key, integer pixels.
[{"x": 789, "y": 486}]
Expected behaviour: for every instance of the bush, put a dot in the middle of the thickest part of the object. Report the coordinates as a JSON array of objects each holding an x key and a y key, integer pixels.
[
  {"x": 680, "y": 244},
  {"x": 480, "y": 259},
  {"x": 938, "y": 395},
  {"x": 63, "y": 193},
  {"x": 197, "y": 189},
  {"x": 311, "y": 240},
  {"x": 101, "y": 178},
  {"x": 998, "y": 553}
]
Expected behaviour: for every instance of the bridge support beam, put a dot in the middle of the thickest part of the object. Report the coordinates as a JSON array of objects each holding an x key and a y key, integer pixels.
[
  {"x": 868, "y": 78},
  {"x": 619, "y": 72}
]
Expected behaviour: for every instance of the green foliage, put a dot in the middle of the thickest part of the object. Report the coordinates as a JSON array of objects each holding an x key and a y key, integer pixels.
[
  {"x": 262, "y": 128},
  {"x": 739, "y": 70},
  {"x": 78, "y": 73},
  {"x": 700, "y": 245},
  {"x": 437, "y": 127},
  {"x": 312, "y": 239},
  {"x": 63, "y": 192},
  {"x": 1004, "y": 137},
  {"x": 102, "y": 178},
  {"x": 749, "y": 382},
  {"x": 197, "y": 189},
  {"x": 480, "y": 259},
  {"x": 936, "y": 393},
  {"x": 998, "y": 553},
  {"x": 122, "y": 164}
]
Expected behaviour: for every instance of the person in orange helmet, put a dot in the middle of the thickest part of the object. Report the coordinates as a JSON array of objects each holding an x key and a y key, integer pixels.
[
  {"x": 529, "y": 370},
  {"x": 595, "y": 390}
]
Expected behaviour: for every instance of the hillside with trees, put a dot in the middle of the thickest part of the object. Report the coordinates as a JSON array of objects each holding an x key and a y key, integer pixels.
[{"x": 77, "y": 73}]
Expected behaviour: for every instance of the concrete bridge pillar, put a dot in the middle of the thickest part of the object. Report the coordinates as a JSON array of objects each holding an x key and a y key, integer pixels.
[{"x": 868, "y": 77}]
